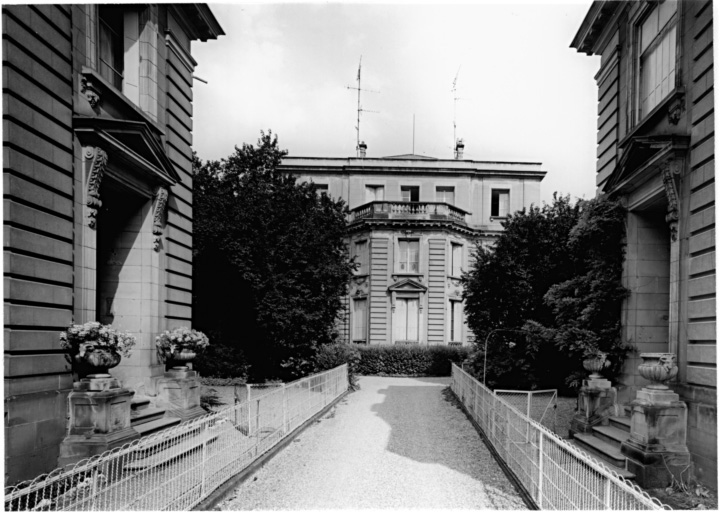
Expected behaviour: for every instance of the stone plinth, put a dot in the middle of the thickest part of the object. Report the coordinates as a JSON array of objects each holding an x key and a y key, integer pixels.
[
  {"x": 658, "y": 435},
  {"x": 99, "y": 419},
  {"x": 596, "y": 401},
  {"x": 179, "y": 393}
]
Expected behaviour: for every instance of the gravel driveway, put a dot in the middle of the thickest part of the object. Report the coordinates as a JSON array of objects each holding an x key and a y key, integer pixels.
[{"x": 396, "y": 443}]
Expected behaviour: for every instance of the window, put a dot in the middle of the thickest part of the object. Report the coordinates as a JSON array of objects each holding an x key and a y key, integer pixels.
[
  {"x": 360, "y": 320},
  {"x": 455, "y": 320},
  {"x": 411, "y": 194},
  {"x": 456, "y": 259},
  {"x": 361, "y": 253},
  {"x": 657, "y": 48},
  {"x": 409, "y": 260},
  {"x": 118, "y": 43},
  {"x": 445, "y": 195},
  {"x": 110, "y": 48},
  {"x": 406, "y": 320},
  {"x": 321, "y": 188},
  {"x": 500, "y": 203},
  {"x": 374, "y": 193}
]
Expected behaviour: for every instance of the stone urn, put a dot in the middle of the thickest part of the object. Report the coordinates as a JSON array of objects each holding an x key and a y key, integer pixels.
[
  {"x": 658, "y": 367},
  {"x": 97, "y": 361},
  {"x": 180, "y": 359},
  {"x": 594, "y": 365}
]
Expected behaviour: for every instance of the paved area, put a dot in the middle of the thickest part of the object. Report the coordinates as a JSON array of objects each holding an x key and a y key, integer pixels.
[{"x": 395, "y": 443}]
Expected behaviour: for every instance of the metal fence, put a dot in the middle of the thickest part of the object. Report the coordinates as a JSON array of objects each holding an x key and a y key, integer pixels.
[
  {"x": 539, "y": 405},
  {"x": 179, "y": 467},
  {"x": 555, "y": 474}
]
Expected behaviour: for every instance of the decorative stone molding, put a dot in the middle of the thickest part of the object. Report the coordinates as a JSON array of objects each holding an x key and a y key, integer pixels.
[
  {"x": 90, "y": 90},
  {"x": 161, "y": 198},
  {"x": 97, "y": 170},
  {"x": 670, "y": 170},
  {"x": 675, "y": 109}
]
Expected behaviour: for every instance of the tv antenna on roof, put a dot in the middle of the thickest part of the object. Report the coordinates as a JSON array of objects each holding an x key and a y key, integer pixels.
[
  {"x": 359, "y": 107},
  {"x": 455, "y": 100}
]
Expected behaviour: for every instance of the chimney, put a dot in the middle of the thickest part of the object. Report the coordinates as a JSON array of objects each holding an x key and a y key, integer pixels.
[
  {"x": 459, "y": 148},
  {"x": 362, "y": 149}
]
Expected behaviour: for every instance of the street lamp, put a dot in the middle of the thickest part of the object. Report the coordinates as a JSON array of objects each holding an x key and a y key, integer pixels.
[{"x": 486, "y": 342}]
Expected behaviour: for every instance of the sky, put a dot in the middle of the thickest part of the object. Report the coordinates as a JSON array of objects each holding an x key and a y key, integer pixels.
[{"x": 523, "y": 94}]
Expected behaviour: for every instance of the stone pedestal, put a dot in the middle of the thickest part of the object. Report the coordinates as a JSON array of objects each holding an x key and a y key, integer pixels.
[
  {"x": 178, "y": 391},
  {"x": 99, "y": 419},
  {"x": 658, "y": 434},
  {"x": 596, "y": 401}
]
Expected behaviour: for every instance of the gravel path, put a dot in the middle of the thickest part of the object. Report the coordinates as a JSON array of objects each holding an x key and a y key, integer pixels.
[{"x": 396, "y": 443}]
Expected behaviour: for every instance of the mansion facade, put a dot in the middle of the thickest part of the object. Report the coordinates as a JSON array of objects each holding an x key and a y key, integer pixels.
[
  {"x": 656, "y": 153},
  {"x": 414, "y": 222},
  {"x": 97, "y": 168}
]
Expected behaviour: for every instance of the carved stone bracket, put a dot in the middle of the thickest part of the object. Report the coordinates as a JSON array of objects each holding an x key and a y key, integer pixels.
[
  {"x": 97, "y": 170},
  {"x": 675, "y": 109},
  {"x": 90, "y": 90},
  {"x": 670, "y": 170},
  {"x": 161, "y": 198}
]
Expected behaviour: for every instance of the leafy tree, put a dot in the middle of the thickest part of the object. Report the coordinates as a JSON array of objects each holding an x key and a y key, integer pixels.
[
  {"x": 548, "y": 293},
  {"x": 271, "y": 263}
]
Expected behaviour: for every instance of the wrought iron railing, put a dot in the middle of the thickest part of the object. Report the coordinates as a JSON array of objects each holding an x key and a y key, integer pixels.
[
  {"x": 408, "y": 210},
  {"x": 177, "y": 468},
  {"x": 553, "y": 472}
]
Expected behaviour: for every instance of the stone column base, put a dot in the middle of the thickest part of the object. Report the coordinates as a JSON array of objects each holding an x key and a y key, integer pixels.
[
  {"x": 178, "y": 391},
  {"x": 597, "y": 401},
  {"x": 657, "y": 447},
  {"x": 99, "y": 420}
]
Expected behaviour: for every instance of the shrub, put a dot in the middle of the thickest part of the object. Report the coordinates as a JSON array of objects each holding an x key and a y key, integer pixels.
[
  {"x": 220, "y": 361},
  {"x": 223, "y": 381},
  {"x": 334, "y": 354},
  {"x": 411, "y": 360}
]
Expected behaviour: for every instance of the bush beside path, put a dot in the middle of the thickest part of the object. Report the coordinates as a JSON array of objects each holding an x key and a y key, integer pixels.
[{"x": 395, "y": 443}]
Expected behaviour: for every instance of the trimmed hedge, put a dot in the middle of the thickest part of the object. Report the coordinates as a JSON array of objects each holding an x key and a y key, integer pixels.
[
  {"x": 409, "y": 360},
  {"x": 334, "y": 354}
]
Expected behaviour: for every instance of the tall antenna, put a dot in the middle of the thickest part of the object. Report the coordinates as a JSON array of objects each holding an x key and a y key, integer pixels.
[
  {"x": 455, "y": 100},
  {"x": 359, "y": 107}
]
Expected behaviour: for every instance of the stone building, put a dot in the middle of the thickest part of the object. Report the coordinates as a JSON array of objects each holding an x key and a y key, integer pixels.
[
  {"x": 97, "y": 124},
  {"x": 414, "y": 222},
  {"x": 656, "y": 152}
]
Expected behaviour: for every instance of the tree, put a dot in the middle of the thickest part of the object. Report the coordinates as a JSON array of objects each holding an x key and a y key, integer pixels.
[
  {"x": 550, "y": 289},
  {"x": 271, "y": 262}
]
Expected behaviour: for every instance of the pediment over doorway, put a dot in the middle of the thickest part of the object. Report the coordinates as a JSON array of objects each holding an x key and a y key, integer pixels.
[
  {"x": 132, "y": 144},
  {"x": 642, "y": 157},
  {"x": 407, "y": 285}
]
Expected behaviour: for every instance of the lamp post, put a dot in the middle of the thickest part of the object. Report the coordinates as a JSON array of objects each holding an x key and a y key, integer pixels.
[{"x": 486, "y": 342}]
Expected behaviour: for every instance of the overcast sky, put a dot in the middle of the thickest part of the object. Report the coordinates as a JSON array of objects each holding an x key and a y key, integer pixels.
[{"x": 525, "y": 95}]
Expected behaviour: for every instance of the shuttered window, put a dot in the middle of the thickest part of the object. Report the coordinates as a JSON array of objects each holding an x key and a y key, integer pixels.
[{"x": 406, "y": 320}]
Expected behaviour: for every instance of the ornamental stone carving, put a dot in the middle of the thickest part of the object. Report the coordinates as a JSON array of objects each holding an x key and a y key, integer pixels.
[
  {"x": 161, "y": 198},
  {"x": 658, "y": 367},
  {"x": 97, "y": 171},
  {"x": 91, "y": 92},
  {"x": 669, "y": 171}
]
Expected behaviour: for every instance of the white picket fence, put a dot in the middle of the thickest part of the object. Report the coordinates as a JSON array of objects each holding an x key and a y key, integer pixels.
[
  {"x": 179, "y": 467},
  {"x": 554, "y": 473}
]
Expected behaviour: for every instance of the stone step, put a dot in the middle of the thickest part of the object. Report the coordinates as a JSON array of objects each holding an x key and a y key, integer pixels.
[
  {"x": 602, "y": 449},
  {"x": 145, "y": 429},
  {"x": 621, "y": 422},
  {"x": 172, "y": 452},
  {"x": 611, "y": 434},
  {"x": 139, "y": 403},
  {"x": 145, "y": 415},
  {"x": 619, "y": 470}
]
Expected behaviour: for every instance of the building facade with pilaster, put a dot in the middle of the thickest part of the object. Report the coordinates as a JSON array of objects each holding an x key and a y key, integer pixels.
[
  {"x": 414, "y": 223},
  {"x": 97, "y": 166},
  {"x": 656, "y": 139}
]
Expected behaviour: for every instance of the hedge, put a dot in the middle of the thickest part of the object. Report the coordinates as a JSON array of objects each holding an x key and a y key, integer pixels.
[{"x": 409, "y": 360}]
